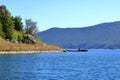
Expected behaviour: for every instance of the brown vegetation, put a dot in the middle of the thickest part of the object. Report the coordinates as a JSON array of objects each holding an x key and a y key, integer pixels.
[{"x": 9, "y": 46}]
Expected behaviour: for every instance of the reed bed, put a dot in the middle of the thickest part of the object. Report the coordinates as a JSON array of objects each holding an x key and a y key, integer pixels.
[{"x": 9, "y": 46}]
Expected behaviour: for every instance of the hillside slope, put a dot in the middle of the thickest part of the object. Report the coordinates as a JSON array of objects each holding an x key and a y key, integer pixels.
[{"x": 105, "y": 35}]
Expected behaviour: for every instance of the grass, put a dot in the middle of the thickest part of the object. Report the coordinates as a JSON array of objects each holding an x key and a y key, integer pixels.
[{"x": 9, "y": 46}]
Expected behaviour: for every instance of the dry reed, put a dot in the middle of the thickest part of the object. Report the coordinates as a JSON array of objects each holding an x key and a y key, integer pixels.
[{"x": 9, "y": 46}]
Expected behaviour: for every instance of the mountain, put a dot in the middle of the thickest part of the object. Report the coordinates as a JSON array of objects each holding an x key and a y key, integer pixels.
[{"x": 101, "y": 36}]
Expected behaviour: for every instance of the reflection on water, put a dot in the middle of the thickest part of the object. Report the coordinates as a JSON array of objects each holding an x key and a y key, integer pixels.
[{"x": 91, "y": 65}]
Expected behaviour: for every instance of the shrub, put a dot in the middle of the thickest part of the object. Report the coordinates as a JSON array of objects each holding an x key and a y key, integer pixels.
[{"x": 18, "y": 36}]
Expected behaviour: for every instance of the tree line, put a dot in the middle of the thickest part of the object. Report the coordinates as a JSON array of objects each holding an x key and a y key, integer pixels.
[{"x": 12, "y": 28}]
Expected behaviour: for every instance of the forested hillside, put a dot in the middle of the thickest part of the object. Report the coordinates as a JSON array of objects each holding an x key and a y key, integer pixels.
[{"x": 101, "y": 36}]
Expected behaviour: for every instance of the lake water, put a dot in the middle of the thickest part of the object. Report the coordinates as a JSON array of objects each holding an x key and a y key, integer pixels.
[{"x": 91, "y": 65}]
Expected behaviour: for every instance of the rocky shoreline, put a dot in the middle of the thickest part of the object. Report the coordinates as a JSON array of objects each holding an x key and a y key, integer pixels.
[{"x": 25, "y": 52}]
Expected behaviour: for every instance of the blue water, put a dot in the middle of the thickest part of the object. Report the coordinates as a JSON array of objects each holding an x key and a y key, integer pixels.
[{"x": 91, "y": 65}]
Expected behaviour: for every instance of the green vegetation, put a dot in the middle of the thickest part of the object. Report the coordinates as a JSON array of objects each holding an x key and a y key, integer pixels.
[
  {"x": 12, "y": 27},
  {"x": 12, "y": 30},
  {"x": 18, "y": 24}
]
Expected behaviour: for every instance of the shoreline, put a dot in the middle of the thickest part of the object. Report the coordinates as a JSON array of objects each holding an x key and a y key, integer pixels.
[{"x": 25, "y": 52}]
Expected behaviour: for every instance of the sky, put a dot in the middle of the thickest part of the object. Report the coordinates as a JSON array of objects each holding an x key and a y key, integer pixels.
[{"x": 65, "y": 13}]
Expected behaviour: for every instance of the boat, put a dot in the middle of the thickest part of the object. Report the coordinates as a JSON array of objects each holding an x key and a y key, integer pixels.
[
  {"x": 75, "y": 50},
  {"x": 82, "y": 50}
]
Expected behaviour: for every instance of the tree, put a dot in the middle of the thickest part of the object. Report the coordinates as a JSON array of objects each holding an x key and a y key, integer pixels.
[
  {"x": 18, "y": 25},
  {"x": 31, "y": 27},
  {"x": 7, "y": 22}
]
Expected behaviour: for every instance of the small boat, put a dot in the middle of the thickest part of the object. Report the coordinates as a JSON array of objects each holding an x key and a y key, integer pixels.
[
  {"x": 82, "y": 50},
  {"x": 75, "y": 50}
]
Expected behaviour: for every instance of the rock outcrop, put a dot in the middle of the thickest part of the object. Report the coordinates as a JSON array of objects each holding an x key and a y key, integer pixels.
[{"x": 29, "y": 39}]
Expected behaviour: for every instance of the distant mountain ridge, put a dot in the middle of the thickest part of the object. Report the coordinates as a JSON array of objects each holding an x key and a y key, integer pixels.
[{"x": 101, "y": 36}]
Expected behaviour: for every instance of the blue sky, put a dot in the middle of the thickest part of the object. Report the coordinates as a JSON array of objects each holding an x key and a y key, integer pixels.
[{"x": 65, "y": 13}]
